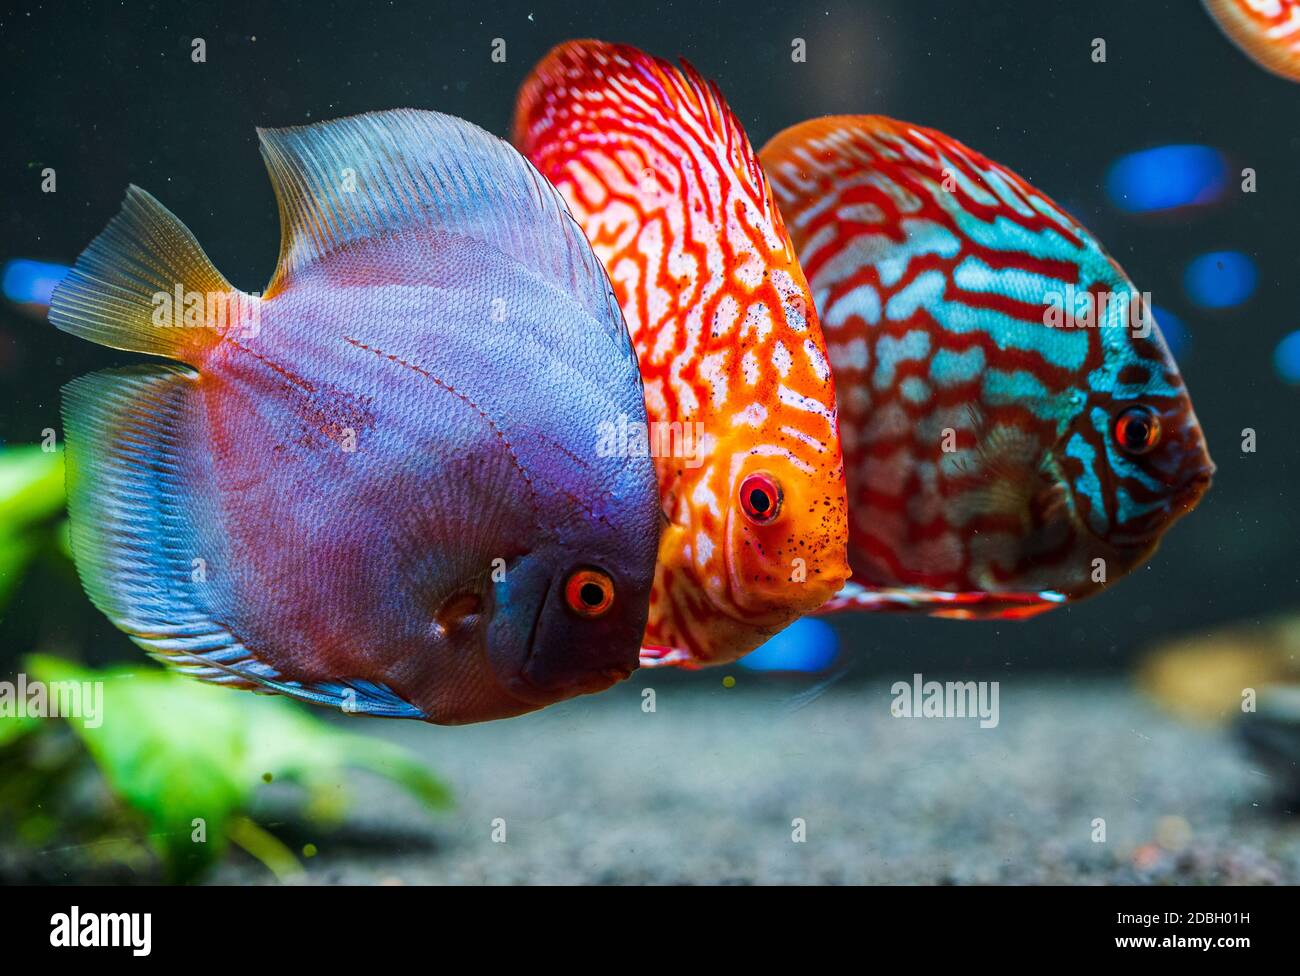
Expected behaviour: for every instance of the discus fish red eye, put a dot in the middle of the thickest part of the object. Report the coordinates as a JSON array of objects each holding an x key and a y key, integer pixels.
[
  {"x": 589, "y": 593},
  {"x": 1137, "y": 429},
  {"x": 760, "y": 497}
]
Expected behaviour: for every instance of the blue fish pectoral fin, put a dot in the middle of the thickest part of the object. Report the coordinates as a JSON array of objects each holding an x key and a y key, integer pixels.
[
  {"x": 139, "y": 537},
  {"x": 374, "y": 178},
  {"x": 145, "y": 285}
]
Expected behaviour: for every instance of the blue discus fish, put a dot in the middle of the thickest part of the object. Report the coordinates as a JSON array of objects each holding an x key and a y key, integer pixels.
[{"x": 375, "y": 486}]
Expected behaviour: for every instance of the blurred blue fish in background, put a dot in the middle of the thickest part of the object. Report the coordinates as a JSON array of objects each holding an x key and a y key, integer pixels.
[
  {"x": 1167, "y": 178},
  {"x": 808, "y": 645},
  {"x": 1173, "y": 329},
  {"x": 1286, "y": 358},
  {"x": 31, "y": 283},
  {"x": 1220, "y": 279}
]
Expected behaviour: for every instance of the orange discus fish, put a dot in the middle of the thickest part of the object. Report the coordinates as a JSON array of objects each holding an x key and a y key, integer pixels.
[
  {"x": 742, "y": 423},
  {"x": 1267, "y": 30}
]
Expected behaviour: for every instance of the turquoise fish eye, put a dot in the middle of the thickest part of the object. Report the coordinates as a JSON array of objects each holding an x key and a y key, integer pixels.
[{"x": 1137, "y": 429}]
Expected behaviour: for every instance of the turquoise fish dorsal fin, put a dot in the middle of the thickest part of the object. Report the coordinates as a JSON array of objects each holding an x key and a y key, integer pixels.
[{"x": 379, "y": 174}]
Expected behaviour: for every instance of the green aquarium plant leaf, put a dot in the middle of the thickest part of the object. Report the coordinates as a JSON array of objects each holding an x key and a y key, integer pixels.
[
  {"x": 31, "y": 494},
  {"x": 170, "y": 750},
  {"x": 188, "y": 758},
  {"x": 31, "y": 486},
  {"x": 16, "y": 552},
  {"x": 293, "y": 744},
  {"x": 14, "y": 727}
]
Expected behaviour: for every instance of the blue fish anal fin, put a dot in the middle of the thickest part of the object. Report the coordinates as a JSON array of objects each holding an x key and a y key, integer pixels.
[
  {"x": 137, "y": 525},
  {"x": 355, "y": 697},
  {"x": 133, "y": 525}
]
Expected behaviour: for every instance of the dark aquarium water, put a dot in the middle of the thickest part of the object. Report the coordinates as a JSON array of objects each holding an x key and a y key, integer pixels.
[{"x": 1148, "y": 734}]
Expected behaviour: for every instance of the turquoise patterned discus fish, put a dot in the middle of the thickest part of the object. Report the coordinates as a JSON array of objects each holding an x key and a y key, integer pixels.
[{"x": 1015, "y": 431}]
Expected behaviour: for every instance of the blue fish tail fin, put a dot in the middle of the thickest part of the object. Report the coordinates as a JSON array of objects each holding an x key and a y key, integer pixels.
[
  {"x": 145, "y": 542},
  {"x": 145, "y": 285}
]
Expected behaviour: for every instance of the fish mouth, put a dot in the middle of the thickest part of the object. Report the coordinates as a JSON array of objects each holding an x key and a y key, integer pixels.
[
  {"x": 1189, "y": 496},
  {"x": 520, "y": 686},
  {"x": 524, "y": 687},
  {"x": 1179, "y": 504},
  {"x": 777, "y": 599}
]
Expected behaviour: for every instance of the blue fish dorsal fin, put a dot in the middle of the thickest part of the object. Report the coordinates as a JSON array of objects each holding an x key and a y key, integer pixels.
[{"x": 372, "y": 176}]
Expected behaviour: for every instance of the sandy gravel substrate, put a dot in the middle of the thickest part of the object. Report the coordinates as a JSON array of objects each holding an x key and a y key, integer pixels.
[{"x": 705, "y": 789}]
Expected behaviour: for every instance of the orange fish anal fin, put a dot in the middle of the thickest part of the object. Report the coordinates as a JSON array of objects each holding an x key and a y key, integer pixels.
[
  {"x": 145, "y": 285},
  {"x": 668, "y": 657}
]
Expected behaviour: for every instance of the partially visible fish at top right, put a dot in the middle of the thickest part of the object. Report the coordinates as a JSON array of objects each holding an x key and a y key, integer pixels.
[{"x": 1267, "y": 30}]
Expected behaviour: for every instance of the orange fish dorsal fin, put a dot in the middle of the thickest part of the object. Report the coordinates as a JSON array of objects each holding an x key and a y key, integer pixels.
[
  {"x": 613, "y": 105},
  {"x": 666, "y": 184}
]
